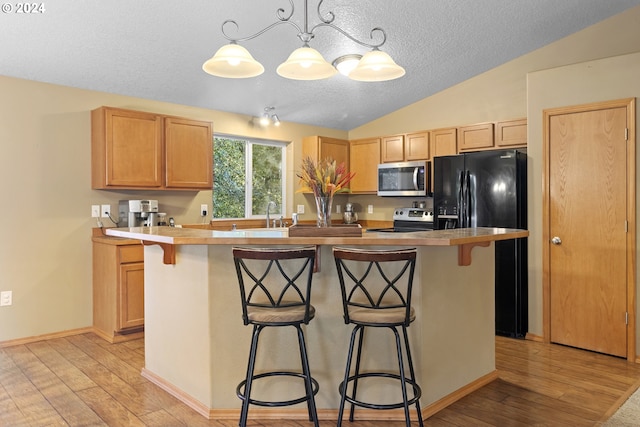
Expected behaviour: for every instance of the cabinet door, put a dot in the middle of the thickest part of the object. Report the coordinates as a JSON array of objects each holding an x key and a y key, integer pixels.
[
  {"x": 444, "y": 142},
  {"x": 131, "y": 296},
  {"x": 392, "y": 149},
  {"x": 131, "y": 149},
  {"x": 189, "y": 154},
  {"x": 512, "y": 133},
  {"x": 365, "y": 156},
  {"x": 476, "y": 137},
  {"x": 321, "y": 147},
  {"x": 416, "y": 146}
]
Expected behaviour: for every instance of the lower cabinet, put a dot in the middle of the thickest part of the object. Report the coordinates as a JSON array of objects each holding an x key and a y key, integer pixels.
[{"x": 118, "y": 288}]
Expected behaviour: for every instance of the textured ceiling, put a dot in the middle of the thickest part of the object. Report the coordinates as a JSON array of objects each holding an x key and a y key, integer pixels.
[{"x": 155, "y": 49}]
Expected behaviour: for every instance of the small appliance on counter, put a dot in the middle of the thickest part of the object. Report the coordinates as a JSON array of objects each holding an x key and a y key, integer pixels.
[
  {"x": 349, "y": 216},
  {"x": 138, "y": 213},
  {"x": 406, "y": 220}
]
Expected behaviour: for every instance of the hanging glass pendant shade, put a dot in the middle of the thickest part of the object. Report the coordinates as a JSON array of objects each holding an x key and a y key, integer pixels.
[
  {"x": 306, "y": 63},
  {"x": 233, "y": 61},
  {"x": 376, "y": 66}
]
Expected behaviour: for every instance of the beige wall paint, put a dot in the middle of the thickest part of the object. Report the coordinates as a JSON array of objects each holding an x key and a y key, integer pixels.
[{"x": 45, "y": 257}]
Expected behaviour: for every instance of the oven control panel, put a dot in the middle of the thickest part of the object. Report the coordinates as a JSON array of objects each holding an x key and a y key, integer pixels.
[{"x": 412, "y": 214}]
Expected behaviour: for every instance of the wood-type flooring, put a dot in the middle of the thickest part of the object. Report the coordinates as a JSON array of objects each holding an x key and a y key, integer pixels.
[{"x": 82, "y": 380}]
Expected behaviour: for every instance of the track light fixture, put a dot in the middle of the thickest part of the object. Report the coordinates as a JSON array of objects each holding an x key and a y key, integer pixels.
[
  {"x": 267, "y": 118},
  {"x": 304, "y": 63}
]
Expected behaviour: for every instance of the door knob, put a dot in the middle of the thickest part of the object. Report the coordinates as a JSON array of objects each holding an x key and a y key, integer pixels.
[{"x": 556, "y": 240}]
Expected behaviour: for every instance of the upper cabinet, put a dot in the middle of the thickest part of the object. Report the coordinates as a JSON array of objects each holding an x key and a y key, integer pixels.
[
  {"x": 475, "y": 137},
  {"x": 365, "y": 156},
  {"x": 406, "y": 147},
  {"x": 139, "y": 150},
  {"x": 321, "y": 147},
  {"x": 392, "y": 149},
  {"x": 512, "y": 133},
  {"x": 444, "y": 142}
]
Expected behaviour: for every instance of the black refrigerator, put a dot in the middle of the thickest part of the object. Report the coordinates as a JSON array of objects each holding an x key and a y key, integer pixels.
[{"x": 489, "y": 189}]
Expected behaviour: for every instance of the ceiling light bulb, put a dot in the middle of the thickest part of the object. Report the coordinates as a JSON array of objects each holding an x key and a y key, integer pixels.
[
  {"x": 275, "y": 120},
  {"x": 305, "y": 63},
  {"x": 264, "y": 120},
  {"x": 346, "y": 63},
  {"x": 376, "y": 66},
  {"x": 233, "y": 61}
]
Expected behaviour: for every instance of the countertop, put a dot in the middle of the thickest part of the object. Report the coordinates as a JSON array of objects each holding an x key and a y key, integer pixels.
[{"x": 279, "y": 236}]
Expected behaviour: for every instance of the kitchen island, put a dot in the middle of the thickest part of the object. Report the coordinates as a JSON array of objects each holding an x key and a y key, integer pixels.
[{"x": 196, "y": 346}]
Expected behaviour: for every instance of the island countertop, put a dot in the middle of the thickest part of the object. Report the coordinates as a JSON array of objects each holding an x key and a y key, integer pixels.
[{"x": 279, "y": 236}]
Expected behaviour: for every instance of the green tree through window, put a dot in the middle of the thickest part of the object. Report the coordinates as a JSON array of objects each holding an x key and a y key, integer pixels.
[{"x": 247, "y": 175}]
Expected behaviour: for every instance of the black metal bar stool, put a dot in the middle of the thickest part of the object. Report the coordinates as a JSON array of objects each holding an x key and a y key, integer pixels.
[
  {"x": 376, "y": 293},
  {"x": 275, "y": 287}
]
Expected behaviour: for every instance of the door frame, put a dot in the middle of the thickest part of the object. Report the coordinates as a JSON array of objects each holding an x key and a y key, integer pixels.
[{"x": 629, "y": 104}]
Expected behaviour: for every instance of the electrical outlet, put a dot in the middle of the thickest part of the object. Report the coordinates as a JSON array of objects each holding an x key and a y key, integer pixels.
[
  {"x": 204, "y": 209},
  {"x": 369, "y": 208},
  {"x": 6, "y": 298},
  {"x": 300, "y": 209},
  {"x": 95, "y": 211},
  {"x": 106, "y": 210},
  {"x": 338, "y": 208}
]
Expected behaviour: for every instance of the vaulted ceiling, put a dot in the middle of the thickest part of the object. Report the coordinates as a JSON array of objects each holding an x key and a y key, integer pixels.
[{"x": 155, "y": 49}]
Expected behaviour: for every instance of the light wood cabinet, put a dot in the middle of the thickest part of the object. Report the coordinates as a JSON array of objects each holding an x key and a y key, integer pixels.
[
  {"x": 392, "y": 149},
  {"x": 321, "y": 147},
  {"x": 511, "y": 133},
  {"x": 118, "y": 288},
  {"x": 416, "y": 146},
  {"x": 406, "y": 147},
  {"x": 139, "y": 150},
  {"x": 365, "y": 157},
  {"x": 444, "y": 142},
  {"x": 475, "y": 137}
]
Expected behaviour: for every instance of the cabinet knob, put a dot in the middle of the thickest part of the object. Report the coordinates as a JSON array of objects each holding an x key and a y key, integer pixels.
[{"x": 556, "y": 240}]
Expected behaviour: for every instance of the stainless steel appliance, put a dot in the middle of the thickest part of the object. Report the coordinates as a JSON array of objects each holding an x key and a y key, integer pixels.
[
  {"x": 404, "y": 178},
  {"x": 349, "y": 216},
  {"x": 137, "y": 213},
  {"x": 489, "y": 189},
  {"x": 406, "y": 220}
]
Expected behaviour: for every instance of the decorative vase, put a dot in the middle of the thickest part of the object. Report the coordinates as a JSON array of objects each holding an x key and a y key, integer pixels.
[{"x": 323, "y": 206}]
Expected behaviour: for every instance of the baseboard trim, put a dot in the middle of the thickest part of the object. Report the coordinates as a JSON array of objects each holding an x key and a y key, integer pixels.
[
  {"x": 29, "y": 340},
  {"x": 532, "y": 337},
  {"x": 361, "y": 414}
]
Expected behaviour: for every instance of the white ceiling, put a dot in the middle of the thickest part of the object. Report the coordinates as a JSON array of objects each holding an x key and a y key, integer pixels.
[{"x": 154, "y": 49}]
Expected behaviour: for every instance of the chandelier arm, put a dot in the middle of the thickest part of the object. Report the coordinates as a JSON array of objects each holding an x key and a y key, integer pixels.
[
  {"x": 259, "y": 33},
  {"x": 350, "y": 37},
  {"x": 330, "y": 15}
]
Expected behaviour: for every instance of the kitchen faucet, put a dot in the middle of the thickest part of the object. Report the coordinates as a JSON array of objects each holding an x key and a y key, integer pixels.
[{"x": 271, "y": 203}]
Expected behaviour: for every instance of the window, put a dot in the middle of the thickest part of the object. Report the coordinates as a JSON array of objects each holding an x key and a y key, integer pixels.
[{"x": 247, "y": 175}]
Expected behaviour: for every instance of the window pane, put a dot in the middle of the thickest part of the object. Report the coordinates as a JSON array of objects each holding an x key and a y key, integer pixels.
[
  {"x": 229, "y": 178},
  {"x": 267, "y": 178}
]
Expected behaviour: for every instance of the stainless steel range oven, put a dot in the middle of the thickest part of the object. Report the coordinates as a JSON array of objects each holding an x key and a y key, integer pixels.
[{"x": 406, "y": 220}]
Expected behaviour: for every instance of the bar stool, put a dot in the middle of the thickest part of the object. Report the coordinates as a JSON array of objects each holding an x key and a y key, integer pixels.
[
  {"x": 275, "y": 288},
  {"x": 376, "y": 293}
]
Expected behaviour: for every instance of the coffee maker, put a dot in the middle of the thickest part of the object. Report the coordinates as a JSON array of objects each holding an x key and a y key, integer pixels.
[{"x": 137, "y": 213}]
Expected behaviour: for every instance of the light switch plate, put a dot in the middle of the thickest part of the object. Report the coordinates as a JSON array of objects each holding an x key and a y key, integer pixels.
[
  {"x": 300, "y": 209},
  {"x": 95, "y": 211}
]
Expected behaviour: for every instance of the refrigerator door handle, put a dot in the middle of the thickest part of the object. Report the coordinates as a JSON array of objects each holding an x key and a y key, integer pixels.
[{"x": 460, "y": 199}]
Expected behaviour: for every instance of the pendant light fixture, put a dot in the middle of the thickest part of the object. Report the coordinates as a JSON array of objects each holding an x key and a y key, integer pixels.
[{"x": 304, "y": 63}]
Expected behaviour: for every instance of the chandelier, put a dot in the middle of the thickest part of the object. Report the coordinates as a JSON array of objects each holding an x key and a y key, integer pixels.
[{"x": 304, "y": 63}]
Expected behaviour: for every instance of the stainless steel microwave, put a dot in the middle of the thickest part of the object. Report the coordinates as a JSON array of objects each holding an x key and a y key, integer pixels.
[{"x": 404, "y": 178}]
